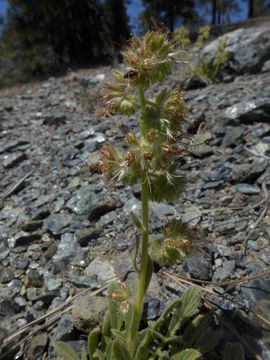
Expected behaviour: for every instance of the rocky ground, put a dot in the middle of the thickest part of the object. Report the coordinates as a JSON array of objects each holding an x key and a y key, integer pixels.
[{"x": 63, "y": 231}]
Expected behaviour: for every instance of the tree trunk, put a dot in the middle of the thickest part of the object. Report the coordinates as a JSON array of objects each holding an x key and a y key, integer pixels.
[
  {"x": 214, "y": 9},
  {"x": 250, "y": 8}
]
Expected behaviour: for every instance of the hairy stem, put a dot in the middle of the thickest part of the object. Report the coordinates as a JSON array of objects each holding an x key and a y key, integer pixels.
[{"x": 141, "y": 290}]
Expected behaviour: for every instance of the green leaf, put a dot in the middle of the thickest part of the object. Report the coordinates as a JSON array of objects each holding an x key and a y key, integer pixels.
[
  {"x": 83, "y": 354},
  {"x": 93, "y": 341},
  {"x": 208, "y": 340},
  {"x": 161, "y": 320},
  {"x": 65, "y": 350},
  {"x": 185, "y": 309},
  {"x": 109, "y": 352},
  {"x": 149, "y": 272},
  {"x": 188, "y": 354},
  {"x": 120, "y": 350},
  {"x": 118, "y": 335},
  {"x": 233, "y": 351},
  {"x": 137, "y": 222},
  {"x": 116, "y": 318},
  {"x": 143, "y": 348},
  {"x": 198, "y": 326},
  {"x": 106, "y": 329},
  {"x": 134, "y": 257}
]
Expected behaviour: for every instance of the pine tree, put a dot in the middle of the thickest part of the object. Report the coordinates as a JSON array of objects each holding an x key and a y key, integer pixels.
[
  {"x": 167, "y": 12},
  {"x": 66, "y": 31},
  {"x": 116, "y": 25}
]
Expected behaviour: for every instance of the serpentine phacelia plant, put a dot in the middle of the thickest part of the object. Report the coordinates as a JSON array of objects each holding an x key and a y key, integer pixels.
[{"x": 152, "y": 160}]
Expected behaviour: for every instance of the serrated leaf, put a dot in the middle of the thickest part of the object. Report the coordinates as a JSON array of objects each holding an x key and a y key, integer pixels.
[
  {"x": 188, "y": 354},
  {"x": 93, "y": 339},
  {"x": 137, "y": 222},
  {"x": 185, "y": 309},
  {"x": 83, "y": 354},
  {"x": 65, "y": 350},
  {"x": 120, "y": 350},
  {"x": 233, "y": 351}
]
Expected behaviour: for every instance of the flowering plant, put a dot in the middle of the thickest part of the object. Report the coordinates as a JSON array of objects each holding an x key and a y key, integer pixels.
[{"x": 152, "y": 159}]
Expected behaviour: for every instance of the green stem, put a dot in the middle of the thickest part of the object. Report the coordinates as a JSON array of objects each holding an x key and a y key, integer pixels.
[
  {"x": 143, "y": 102},
  {"x": 141, "y": 290}
]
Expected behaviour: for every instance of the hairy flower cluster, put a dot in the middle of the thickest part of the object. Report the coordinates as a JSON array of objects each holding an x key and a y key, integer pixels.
[
  {"x": 175, "y": 244},
  {"x": 148, "y": 58}
]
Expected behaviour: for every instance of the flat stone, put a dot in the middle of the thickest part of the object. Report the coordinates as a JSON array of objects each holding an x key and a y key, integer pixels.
[
  {"x": 37, "y": 346},
  {"x": 56, "y": 223},
  {"x": 248, "y": 189},
  {"x": 224, "y": 272},
  {"x": 13, "y": 159},
  {"x": 100, "y": 270},
  {"x": 249, "y": 172},
  {"x": 55, "y": 119},
  {"x": 232, "y": 135},
  {"x": 85, "y": 236},
  {"x": 88, "y": 312},
  {"x": 199, "y": 265},
  {"x": 67, "y": 248},
  {"x": 65, "y": 330},
  {"x": 248, "y": 112},
  {"x": 192, "y": 216}
]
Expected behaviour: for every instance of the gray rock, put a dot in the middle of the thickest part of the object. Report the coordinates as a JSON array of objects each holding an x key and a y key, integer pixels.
[
  {"x": 224, "y": 250},
  {"x": 14, "y": 159},
  {"x": 55, "y": 119},
  {"x": 56, "y": 223},
  {"x": 83, "y": 201},
  {"x": 82, "y": 281},
  {"x": 6, "y": 275},
  {"x": 194, "y": 82},
  {"x": 231, "y": 136},
  {"x": 224, "y": 272},
  {"x": 248, "y": 49},
  {"x": 249, "y": 172},
  {"x": 88, "y": 312},
  {"x": 199, "y": 265},
  {"x": 152, "y": 308},
  {"x": 257, "y": 289},
  {"x": 65, "y": 330},
  {"x": 37, "y": 347},
  {"x": 248, "y": 189},
  {"x": 202, "y": 151},
  {"x": 248, "y": 112},
  {"x": 92, "y": 80},
  {"x": 85, "y": 236},
  {"x": 34, "y": 279},
  {"x": 100, "y": 270},
  {"x": 192, "y": 216},
  {"x": 67, "y": 249}
]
